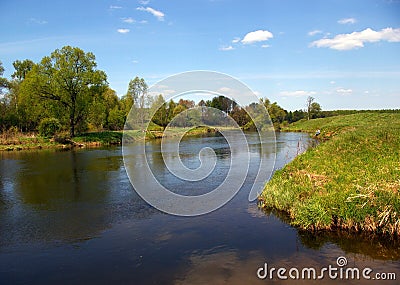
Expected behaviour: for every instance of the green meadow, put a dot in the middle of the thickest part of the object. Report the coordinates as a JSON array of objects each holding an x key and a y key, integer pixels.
[{"x": 350, "y": 181}]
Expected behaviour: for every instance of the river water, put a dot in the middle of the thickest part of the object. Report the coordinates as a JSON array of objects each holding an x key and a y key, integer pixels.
[{"x": 72, "y": 217}]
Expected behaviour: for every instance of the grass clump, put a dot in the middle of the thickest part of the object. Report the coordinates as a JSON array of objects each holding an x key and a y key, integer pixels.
[
  {"x": 351, "y": 181},
  {"x": 100, "y": 138}
]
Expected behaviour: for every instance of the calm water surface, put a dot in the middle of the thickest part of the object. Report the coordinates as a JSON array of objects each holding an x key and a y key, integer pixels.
[{"x": 73, "y": 217}]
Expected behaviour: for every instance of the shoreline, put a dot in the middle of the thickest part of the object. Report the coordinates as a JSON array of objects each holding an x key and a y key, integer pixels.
[
  {"x": 92, "y": 139},
  {"x": 350, "y": 181}
]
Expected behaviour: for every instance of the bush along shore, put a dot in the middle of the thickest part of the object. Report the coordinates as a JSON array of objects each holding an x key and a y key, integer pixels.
[
  {"x": 350, "y": 181},
  {"x": 10, "y": 141}
]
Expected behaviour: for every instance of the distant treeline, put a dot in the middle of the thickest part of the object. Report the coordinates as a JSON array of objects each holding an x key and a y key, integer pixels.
[
  {"x": 66, "y": 93},
  {"x": 350, "y": 112}
]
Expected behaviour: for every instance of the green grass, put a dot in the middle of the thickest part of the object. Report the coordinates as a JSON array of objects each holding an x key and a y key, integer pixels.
[
  {"x": 19, "y": 141},
  {"x": 100, "y": 138},
  {"x": 350, "y": 181}
]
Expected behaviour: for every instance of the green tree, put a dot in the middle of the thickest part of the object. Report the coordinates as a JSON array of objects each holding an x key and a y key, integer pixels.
[
  {"x": 240, "y": 116},
  {"x": 138, "y": 97},
  {"x": 100, "y": 108},
  {"x": 3, "y": 101},
  {"x": 69, "y": 78},
  {"x": 111, "y": 102},
  {"x": 222, "y": 103},
  {"x": 171, "y": 107},
  {"x": 116, "y": 119},
  {"x": 276, "y": 113},
  {"x": 3, "y": 81},
  {"x": 22, "y": 68},
  {"x": 160, "y": 111},
  {"x": 180, "y": 121},
  {"x": 315, "y": 110},
  {"x": 309, "y": 102}
]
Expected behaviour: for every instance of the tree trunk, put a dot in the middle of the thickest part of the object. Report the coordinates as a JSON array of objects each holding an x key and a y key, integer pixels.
[
  {"x": 71, "y": 127},
  {"x": 72, "y": 120}
]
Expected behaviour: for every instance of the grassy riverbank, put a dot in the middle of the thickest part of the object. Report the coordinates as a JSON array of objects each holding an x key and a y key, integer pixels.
[
  {"x": 18, "y": 141},
  {"x": 350, "y": 181}
]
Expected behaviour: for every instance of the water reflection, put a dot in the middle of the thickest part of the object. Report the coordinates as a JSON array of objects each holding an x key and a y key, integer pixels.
[{"x": 69, "y": 195}]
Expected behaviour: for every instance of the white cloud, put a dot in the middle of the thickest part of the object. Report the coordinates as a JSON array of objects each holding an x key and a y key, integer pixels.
[
  {"x": 123, "y": 31},
  {"x": 258, "y": 94},
  {"x": 332, "y": 82},
  {"x": 128, "y": 20},
  {"x": 144, "y": 2},
  {"x": 347, "y": 21},
  {"x": 344, "y": 92},
  {"x": 225, "y": 90},
  {"x": 297, "y": 93},
  {"x": 226, "y": 48},
  {"x": 158, "y": 14},
  {"x": 357, "y": 39},
  {"x": 37, "y": 21},
  {"x": 265, "y": 46},
  {"x": 257, "y": 36},
  {"x": 235, "y": 40},
  {"x": 315, "y": 32},
  {"x": 115, "y": 7}
]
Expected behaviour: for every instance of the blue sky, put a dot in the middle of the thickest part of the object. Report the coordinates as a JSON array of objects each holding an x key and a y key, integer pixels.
[{"x": 346, "y": 54}]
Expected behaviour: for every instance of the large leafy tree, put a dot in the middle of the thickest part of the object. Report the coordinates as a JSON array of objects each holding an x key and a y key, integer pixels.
[{"x": 69, "y": 78}]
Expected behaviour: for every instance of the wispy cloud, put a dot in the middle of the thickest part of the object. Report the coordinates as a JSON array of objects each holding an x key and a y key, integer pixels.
[
  {"x": 144, "y": 2},
  {"x": 265, "y": 46},
  {"x": 257, "y": 36},
  {"x": 128, "y": 20},
  {"x": 112, "y": 7},
  {"x": 344, "y": 92},
  {"x": 297, "y": 93},
  {"x": 158, "y": 14},
  {"x": 37, "y": 21},
  {"x": 314, "y": 32},
  {"x": 123, "y": 31},
  {"x": 357, "y": 39},
  {"x": 226, "y": 48},
  {"x": 235, "y": 40},
  {"x": 345, "y": 21}
]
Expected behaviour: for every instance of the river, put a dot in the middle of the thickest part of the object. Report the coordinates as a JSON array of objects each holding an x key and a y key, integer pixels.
[{"x": 72, "y": 217}]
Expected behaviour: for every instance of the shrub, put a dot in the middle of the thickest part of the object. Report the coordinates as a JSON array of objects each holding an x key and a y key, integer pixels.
[{"x": 49, "y": 126}]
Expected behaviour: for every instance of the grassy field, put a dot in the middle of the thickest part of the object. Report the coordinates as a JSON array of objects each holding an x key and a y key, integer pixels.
[{"x": 350, "y": 181}]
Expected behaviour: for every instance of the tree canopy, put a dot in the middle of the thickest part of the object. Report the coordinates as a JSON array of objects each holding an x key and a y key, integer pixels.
[{"x": 68, "y": 77}]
